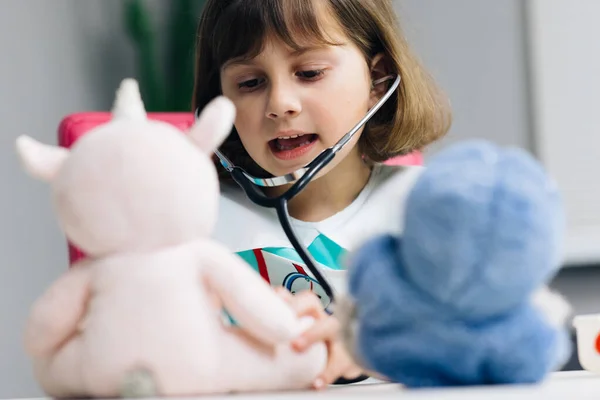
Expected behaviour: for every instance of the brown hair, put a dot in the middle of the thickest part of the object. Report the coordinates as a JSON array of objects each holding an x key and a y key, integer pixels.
[{"x": 417, "y": 115}]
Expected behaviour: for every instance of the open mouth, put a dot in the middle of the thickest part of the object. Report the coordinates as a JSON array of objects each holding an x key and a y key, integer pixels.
[{"x": 290, "y": 147}]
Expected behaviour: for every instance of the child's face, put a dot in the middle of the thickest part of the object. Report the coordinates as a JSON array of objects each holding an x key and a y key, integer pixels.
[{"x": 291, "y": 106}]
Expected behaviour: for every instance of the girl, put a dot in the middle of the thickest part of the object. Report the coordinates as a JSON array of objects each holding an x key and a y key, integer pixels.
[{"x": 301, "y": 73}]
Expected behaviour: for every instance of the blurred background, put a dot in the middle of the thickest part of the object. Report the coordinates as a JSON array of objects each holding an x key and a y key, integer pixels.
[{"x": 522, "y": 73}]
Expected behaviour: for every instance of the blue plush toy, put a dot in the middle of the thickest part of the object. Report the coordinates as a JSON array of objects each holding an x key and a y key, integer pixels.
[{"x": 461, "y": 297}]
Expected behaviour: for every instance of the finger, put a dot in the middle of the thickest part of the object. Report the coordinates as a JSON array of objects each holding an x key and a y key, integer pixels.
[
  {"x": 330, "y": 376},
  {"x": 307, "y": 304},
  {"x": 284, "y": 293},
  {"x": 339, "y": 365},
  {"x": 326, "y": 329},
  {"x": 334, "y": 368},
  {"x": 327, "y": 377}
]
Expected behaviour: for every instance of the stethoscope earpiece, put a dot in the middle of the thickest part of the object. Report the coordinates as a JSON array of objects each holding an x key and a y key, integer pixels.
[{"x": 376, "y": 82}]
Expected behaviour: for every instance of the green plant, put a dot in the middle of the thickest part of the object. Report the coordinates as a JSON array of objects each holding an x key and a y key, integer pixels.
[{"x": 165, "y": 82}]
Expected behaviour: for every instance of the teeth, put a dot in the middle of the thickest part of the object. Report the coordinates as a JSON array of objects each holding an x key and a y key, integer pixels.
[{"x": 290, "y": 137}]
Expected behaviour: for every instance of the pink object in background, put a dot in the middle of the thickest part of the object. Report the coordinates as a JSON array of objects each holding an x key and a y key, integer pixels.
[
  {"x": 73, "y": 126},
  {"x": 415, "y": 158}
]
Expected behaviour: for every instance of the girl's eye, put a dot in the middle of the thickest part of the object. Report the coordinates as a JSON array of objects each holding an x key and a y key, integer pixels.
[
  {"x": 253, "y": 84},
  {"x": 311, "y": 74},
  {"x": 250, "y": 84}
]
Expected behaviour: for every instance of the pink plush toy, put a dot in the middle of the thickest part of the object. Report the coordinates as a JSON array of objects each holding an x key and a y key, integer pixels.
[{"x": 143, "y": 315}]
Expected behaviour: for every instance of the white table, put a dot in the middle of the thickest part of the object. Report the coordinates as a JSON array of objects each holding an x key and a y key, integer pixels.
[
  {"x": 561, "y": 385},
  {"x": 574, "y": 385}
]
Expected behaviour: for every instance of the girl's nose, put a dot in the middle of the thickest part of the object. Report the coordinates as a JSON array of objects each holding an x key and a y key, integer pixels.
[{"x": 283, "y": 101}]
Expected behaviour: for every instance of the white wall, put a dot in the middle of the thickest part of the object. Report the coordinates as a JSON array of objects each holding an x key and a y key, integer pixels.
[
  {"x": 566, "y": 83},
  {"x": 58, "y": 57},
  {"x": 475, "y": 50},
  {"x": 63, "y": 56}
]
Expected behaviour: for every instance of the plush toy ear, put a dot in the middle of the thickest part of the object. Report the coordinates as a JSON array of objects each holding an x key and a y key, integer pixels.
[
  {"x": 40, "y": 160},
  {"x": 213, "y": 124},
  {"x": 128, "y": 104}
]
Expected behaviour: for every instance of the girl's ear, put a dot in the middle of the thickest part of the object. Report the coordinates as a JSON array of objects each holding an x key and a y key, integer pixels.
[
  {"x": 40, "y": 160},
  {"x": 379, "y": 70},
  {"x": 213, "y": 125}
]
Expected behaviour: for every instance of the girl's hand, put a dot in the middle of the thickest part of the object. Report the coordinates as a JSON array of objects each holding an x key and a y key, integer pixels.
[{"x": 326, "y": 328}]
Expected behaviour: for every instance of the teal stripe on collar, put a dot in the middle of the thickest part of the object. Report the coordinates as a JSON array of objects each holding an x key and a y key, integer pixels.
[{"x": 324, "y": 250}]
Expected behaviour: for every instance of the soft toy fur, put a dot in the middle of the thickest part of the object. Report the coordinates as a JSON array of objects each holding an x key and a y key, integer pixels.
[
  {"x": 460, "y": 298},
  {"x": 143, "y": 314}
]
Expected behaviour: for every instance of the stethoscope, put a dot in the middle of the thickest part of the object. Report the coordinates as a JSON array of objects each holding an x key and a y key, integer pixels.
[{"x": 252, "y": 185}]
